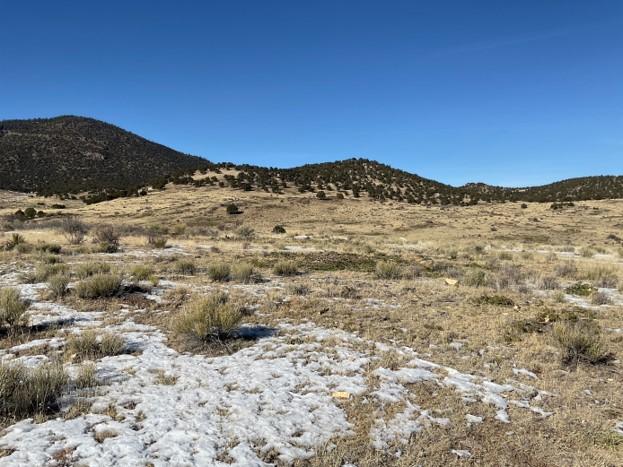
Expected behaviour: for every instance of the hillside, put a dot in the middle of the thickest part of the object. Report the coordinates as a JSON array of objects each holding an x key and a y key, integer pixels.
[{"x": 74, "y": 154}]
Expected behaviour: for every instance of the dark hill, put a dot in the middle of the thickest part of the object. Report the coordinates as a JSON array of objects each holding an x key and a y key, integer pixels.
[{"x": 73, "y": 154}]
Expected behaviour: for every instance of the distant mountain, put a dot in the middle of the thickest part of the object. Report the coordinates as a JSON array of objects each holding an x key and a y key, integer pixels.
[{"x": 75, "y": 154}]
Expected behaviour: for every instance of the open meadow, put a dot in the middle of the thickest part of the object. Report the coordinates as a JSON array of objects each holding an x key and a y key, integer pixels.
[{"x": 211, "y": 326}]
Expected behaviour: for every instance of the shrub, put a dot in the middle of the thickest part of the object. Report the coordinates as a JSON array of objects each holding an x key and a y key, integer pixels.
[
  {"x": 285, "y": 268},
  {"x": 524, "y": 206},
  {"x": 388, "y": 270},
  {"x": 107, "y": 238},
  {"x": 142, "y": 272},
  {"x": 87, "y": 376},
  {"x": 91, "y": 346},
  {"x": 74, "y": 230},
  {"x": 43, "y": 272},
  {"x": 497, "y": 300},
  {"x": 601, "y": 298},
  {"x": 475, "y": 278},
  {"x": 219, "y": 272},
  {"x": 321, "y": 195},
  {"x": 298, "y": 289},
  {"x": 12, "y": 308},
  {"x": 156, "y": 240},
  {"x": 279, "y": 229},
  {"x": 581, "y": 289},
  {"x": 99, "y": 286},
  {"x": 25, "y": 392},
  {"x": 232, "y": 209},
  {"x": 548, "y": 283},
  {"x": 89, "y": 269},
  {"x": 184, "y": 266},
  {"x": 580, "y": 341},
  {"x": 57, "y": 285},
  {"x": 53, "y": 248},
  {"x": 242, "y": 272},
  {"x": 14, "y": 241},
  {"x": 246, "y": 233},
  {"x": 208, "y": 318}
]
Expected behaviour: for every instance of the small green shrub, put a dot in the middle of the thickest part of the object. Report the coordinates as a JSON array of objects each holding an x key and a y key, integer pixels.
[
  {"x": 26, "y": 392},
  {"x": 89, "y": 269},
  {"x": 285, "y": 268},
  {"x": 388, "y": 270},
  {"x": 246, "y": 233},
  {"x": 53, "y": 248},
  {"x": 232, "y": 209},
  {"x": 57, "y": 285},
  {"x": 581, "y": 289},
  {"x": 142, "y": 272},
  {"x": 99, "y": 286},
  {"x": 43, "y": 272},
  {"x": 12, "y": 308},
  {"x": 92, "y": 346},
  {"x": 497, "y": 300},
  {"x": 242, "y": 272},
  {"x": 219, "y": 272},
  {"x": 580, "y": 341},
  {"x": 107, "y": 238},
  {"x": 185, "y": 266},
  {"x": 208, "y": 318},
  {"x": 279, "y": 229}
]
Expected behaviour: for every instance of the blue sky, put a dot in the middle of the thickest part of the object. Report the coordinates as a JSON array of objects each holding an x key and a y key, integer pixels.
[{"x": 509, "y": 93}]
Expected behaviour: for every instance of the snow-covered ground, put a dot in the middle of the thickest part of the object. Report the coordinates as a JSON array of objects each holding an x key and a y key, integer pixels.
[{"x": 277, "y": 398}]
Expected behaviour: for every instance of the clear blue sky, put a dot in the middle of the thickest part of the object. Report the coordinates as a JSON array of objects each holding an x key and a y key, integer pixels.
[{"x": 511, "y": 93}]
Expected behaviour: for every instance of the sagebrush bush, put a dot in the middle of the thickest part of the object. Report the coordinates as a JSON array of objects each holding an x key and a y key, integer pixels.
[
  {"x": 279, "y": 229},
  {"x": 219, "y": 272},
  {"x": 14, "y": 241},
  {"x": 185, "y": 266},
  {"x": 26, "y": 392},
  {"x": 208, "y": 318},
  {"x": 475, "y": 278},
  {"x": 107, "y": 238},
  {"x": 89, "y": 269},
  {"x": 87, "y": 376},
  {"x": 142, "y": 272},
  {"x": 74, "y": 230},
  {"x": 232, "y": 209},
  {"x": 285, "y": 268},
  {"x": 156, "y": 240},
  {"x": 581, "y": 289},
  {"x": 57, "y": 285},
  {"x": 243, "y": 272},
  {"x": 580, "y": 341},
  {"x": 12, "y": 309},
  {"x": 246, "y": 233},
  {"x": 99, "y": 286},
  {"x": 91, "y": 346},
  {"x": 388, "y": 270}
]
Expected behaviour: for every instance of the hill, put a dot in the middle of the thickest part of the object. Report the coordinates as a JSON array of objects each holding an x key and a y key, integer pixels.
[{"x": 74, "y": 154}]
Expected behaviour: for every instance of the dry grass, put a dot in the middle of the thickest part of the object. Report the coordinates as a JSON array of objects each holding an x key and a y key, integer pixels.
[
  {"x": 25, "y": 392},
  {"x": 12, "y": 309},
  {"x": 90, "y": 345},
  {"x": 99, "y": 286},
  {"x": 208, "y": 318}
]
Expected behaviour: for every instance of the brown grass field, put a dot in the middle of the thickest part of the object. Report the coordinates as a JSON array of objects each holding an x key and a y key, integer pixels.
[{"x": 487, "y": 290}]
